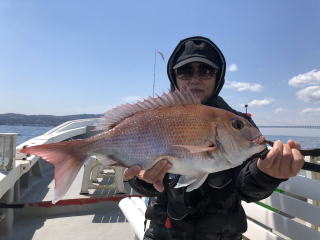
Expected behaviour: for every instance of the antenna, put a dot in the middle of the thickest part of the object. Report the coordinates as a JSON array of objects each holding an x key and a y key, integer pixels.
[
  {"x": 154, "y": 68},
  {"x": 154, "y": 71}
]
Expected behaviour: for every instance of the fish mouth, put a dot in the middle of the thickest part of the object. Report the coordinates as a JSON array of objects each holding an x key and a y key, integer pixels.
[{"x": 259, "y": 140}]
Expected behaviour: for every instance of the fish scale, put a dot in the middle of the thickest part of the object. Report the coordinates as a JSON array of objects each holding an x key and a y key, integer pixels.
[{"x": 141, "y": 144}]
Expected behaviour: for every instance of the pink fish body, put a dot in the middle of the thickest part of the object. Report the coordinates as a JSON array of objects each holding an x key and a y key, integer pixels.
[{"x": 195, "y": 138}]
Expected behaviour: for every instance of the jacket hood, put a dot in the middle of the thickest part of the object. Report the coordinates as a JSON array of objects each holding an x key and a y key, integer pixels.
[{"x": 208, "y": 48}]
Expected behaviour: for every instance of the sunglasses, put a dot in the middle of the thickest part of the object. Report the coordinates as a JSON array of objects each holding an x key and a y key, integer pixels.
[{"x": 204, "y": 71}]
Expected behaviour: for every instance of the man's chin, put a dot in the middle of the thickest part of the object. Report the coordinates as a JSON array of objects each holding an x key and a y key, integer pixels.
[{"x": 198, "y": 95}]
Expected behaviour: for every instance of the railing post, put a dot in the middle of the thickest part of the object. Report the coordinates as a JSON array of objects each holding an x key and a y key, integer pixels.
[
  {"x": 118, "y": 179},
  {"x": 7, "y": 162},
  {"x": 7, "y": 151},
  {"x": 316, "y": 176},
  {"x": 6, "y": 214}
]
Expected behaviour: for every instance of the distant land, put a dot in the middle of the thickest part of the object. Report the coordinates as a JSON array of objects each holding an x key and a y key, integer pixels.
[{"x": 40, "y": 120}]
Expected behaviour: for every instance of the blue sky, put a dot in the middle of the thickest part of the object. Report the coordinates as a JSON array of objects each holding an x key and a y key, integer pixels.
[{"x": 71, "y": 57}]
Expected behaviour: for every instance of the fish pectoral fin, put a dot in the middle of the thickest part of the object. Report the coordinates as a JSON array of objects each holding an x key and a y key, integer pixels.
[
  {"x": 200, "y": 180},
  {"x": 109, "y": 160},
  {"x": 197, "y": 149},
  {"x": 193, "y": 182},
  {"x": 165, "y": 157},
  {"x": 185, "y": 181}
]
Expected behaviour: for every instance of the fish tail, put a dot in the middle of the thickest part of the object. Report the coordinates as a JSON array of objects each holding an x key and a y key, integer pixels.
[{"x": 67, "y": 159}]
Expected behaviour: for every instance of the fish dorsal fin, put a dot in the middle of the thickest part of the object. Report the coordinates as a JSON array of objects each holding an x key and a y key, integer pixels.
[{"x": 177, "y": 97}]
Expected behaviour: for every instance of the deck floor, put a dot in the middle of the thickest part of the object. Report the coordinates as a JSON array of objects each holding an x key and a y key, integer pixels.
[{"x": 110, "y": 224}]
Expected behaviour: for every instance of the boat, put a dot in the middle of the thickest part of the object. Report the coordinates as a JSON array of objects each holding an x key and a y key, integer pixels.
[{"x": 100, "y": 205}]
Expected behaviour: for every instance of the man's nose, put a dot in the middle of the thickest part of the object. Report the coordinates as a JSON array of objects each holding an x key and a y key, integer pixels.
[{"x": 195, "y": 77}]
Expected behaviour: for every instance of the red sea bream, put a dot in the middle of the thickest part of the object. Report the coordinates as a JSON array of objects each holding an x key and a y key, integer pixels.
[{"x": 195, "y": 138}]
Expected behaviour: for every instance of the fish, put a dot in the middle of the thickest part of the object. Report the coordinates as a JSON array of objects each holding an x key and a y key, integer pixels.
[{"x": 196, "y": 139}]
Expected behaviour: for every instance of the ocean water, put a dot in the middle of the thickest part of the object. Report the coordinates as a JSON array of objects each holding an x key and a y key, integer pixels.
[
  {"x": 308, "y": 138},
  {"x": 25, "y": 133}
]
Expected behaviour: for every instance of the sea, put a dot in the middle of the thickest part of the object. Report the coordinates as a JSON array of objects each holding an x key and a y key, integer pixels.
[
  {"x": 24, "y": 133},
  {"x": 308, "y": 138}
]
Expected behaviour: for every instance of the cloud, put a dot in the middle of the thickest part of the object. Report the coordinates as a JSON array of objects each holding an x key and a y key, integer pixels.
[
  {"x": 309, "y": 94},
  {"x": 131, "y": 99},
  {"x": 305, "y": 79},
  {"x": 243, "y": 86},
  {"x": 233, "y": 68},
  {"x": 280, "y": 109},
  {"x": 310, "y": 110},
  {"x": 259, "y": 103}
]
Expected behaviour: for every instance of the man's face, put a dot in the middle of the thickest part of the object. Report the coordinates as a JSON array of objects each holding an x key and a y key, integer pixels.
[{"x": 200, "y": 78}]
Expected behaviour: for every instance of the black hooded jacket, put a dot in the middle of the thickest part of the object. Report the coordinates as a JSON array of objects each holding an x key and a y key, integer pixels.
[{"x": 214, "y": 210}]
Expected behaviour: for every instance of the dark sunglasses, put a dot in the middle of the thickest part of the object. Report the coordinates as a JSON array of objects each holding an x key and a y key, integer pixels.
[{"x": 204, "y": 71}]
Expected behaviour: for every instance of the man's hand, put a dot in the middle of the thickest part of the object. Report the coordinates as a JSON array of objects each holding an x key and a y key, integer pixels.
[
  {"x": 153, "y": 175},
  {"x": 283, "y": 160}
]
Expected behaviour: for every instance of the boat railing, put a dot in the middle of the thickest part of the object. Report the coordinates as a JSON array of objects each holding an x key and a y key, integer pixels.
[{"x": 72, "y": 125}]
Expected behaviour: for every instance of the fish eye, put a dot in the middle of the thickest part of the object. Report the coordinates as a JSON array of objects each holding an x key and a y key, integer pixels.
[{"x": 237, "y": 124}]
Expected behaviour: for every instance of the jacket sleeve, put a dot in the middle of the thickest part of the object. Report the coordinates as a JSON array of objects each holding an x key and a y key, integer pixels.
[
  {"x": 147, "y": 189},
  {"x": 143, "y": 187},
  {"x": 253, "y": 184}
]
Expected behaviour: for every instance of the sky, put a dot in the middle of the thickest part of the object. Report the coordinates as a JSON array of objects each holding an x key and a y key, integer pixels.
[{"x": 73, "y": 57}]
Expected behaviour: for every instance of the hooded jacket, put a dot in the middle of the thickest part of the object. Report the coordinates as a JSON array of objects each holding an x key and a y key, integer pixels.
[
  {"x": 214, "y": 210},
  {"x": 181, "y": 49}
]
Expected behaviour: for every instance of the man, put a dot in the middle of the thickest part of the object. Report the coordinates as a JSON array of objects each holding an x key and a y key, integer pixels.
[{"x": 214, "y": 210}]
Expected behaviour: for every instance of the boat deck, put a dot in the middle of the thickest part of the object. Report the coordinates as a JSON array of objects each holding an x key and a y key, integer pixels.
[{"x": 108, "y": 223}]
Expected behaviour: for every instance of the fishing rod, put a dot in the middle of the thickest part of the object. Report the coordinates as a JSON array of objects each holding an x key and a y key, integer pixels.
[{"x": 304, "y": 152}]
